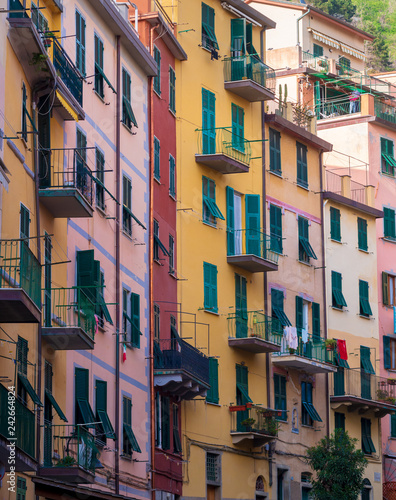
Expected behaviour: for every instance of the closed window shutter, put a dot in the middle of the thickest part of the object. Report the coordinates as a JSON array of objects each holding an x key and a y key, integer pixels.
[
  {"x": 385, "y": 289},
  {"x": 315, "y": 321},
  {"x": 299, "y": 312},
  {"x": 339, "y": 420},
  {"x": 230, "y": 221},
  {"x": 389, "y": 223},
  {"x": 393, "y": 425},
  {"x": 210, "y": 287},
  {"x": 335, "y": 224},
  {"x": 172, "y": 180},
  {"x": 135, "y": 316},
  {"x": 172, "y": 84},
  {"x": 165, "y": 423},
  {"x": 302, "y": 173},
  {"x": 387, "y": 353},
  {"x": 86, "y": 270},
  {"x": 213, "y": 393},
  {"x": 101, "y": 395},
  {"x": 275, "y": 153},
  {"x": 157, "y": 171},
  {"x": 362, "y": 234},
  {"x": 81, "y": 383},
  {"x": 253, "y": 233},
  {"x": 214, "y": 287},
  {"x": 276, "y": 229},
  {"x": 237, "y": 114},
  {"x": 208, "y": 122},
  {"x": 317, "y": 50}
]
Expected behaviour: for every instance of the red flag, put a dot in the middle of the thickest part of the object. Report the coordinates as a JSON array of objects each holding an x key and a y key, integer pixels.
[
  {"x": 123, "y": 353},
  {"x": 342, "y": 350}
]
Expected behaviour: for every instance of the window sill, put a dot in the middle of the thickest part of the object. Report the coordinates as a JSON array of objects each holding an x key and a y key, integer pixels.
[
  {"x": 213, "y": 404},
  {"x": 157, "y": 261},
  {"x": 308, "y": 426},
  {"x": 302, "y": 186},
  {"x": 215, "y": 313},
  {"x": 173, "y": 196},
  {"x": 341, "y": 309},
  {"x": 277, "y": 174},
  {"x": 125, "y": 233},
  {"x": 363, "y": 250},
  {"x": 102, "y": 211},
  {"x": 305, "y": 263},
  {"x": 363, "y": 316},
  {"x": 390, "y": 240},
  {"x": 172, "y": 275},
  {"x": 158, "y": 181},
  {"x": 387, "y": 175},
  {"x": 100, "y": 97},
  {"x": 129, "y": 129},
  {"x": 158, "y": 93},
  {"x": 336, "y": 241},
  {"x": 126, "y": 457},
  {"x": 172, "y": 112},
  {"x": 209, "y": 224}
]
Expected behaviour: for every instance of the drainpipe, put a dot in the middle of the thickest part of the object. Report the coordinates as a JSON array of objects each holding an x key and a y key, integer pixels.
[
  {"x": 298, "y": 20},
  {"x": 151, "y": 246},
  {"x": 118, "y": 265},
  {"x": 324, "y": 284},
  {"x": 265, "y": 282}
]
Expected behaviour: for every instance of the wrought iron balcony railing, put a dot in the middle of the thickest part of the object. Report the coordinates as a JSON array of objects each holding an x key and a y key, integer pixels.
[
  {"x": 222, "y": 140},
  {"x": 320, "y": 64},
  {"x": 251, "y": 241},
  {"x": 254, "y": 419},
  {"x": 255, "y": 324},
  {"x": 313, "y": 349},
  {"x": 249, "y": 67},
  {"x": 385, "y": 111},
  {"x": 68, "y": 72},
  {"x": 337, "y": 107}
]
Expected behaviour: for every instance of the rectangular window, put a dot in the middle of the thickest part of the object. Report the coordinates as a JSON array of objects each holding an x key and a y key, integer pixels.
[
  {"x": 362, "y": 234},
  {"x": 365, "y": 361},
  {"x": 83, "y": 411},
  {"x": 21, "y": 488},
  {"x": 171, "y": 254},
  {"x": 165, "y": 423},
  {"x": 24, "y": 112},
  {"x": 302, "y": 167},
  {"x": 367, "y": 443},
  {"x": 209, "y": 40},
  {"x": 157, "y": 160},
  {"x": 100, "y": 167},
  {"x": 389, "y": 224},
  {"x": 127, "y": 205},
  {"x": 105, "y": 429},
  {"x": 335, "y": 224},
  {"x": 338, "y": 299},
  {"x": 125, "y": 314},
  {"x": 388, "y": 162},
  {"x": 212, "y": 395},
  {"x": 277, "y": 300},
  {"x": 213, "y": 468},
  {"x": 99, "y": 80},
  {"x": 156, "y": 322},
  {"x": 308, "y": 412},
  {"x": 210, "y": 210},
  {"x": 128, "y": 116},
  {"x": 24, "y": 227},
  {"x": 305, "y": 250},
  {"x": 80, "y": 43},
  {"x": 208, "y": 122},
  {"x": 172, "y": 90},
  {"x": 345, "y": 66},
  {"x": 172, "y": 177},
  {"x": 210, "y": 287},
  {"x": 158, "y": 245},
  {"x": 276, "y": 229},
  {"x": 317, "y": 50},
  {"x": 393, "y": 425},
  {"x": 315, "y": 322},
  {"x": 135, "y": 320},
  {"x": 157, "y": 79},
  {"x": 177, "y": 447},
  {"x": 238, "y": 128},
  {"x": 389, "y": 352},
  {"x": 39, "y": 19},
  {"x": 280, "y": 399},
  {"x": 22, "y": 360},
  {"x": 275, "y": 151},
  {"x": 339, "y": 420},
  {"x": 365, "y": 309},
  {"x": 388, "y": 289},
  {"x": 129, "y": 441}
]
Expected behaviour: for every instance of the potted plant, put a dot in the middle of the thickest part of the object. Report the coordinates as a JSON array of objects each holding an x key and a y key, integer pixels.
[
  {"x": 66, "y": 461},
  {"x": 273, "y": 427},
  {"x": 248, "y": 422},
  {"x": 291, "y": 350},
  {"x": 48, "y": 36},
  {"x": 330, "y": 344},
  {"x": 382, "y": 395},
  {"x": 391, "y": 400},
  {"x": 391, "y": 381}
]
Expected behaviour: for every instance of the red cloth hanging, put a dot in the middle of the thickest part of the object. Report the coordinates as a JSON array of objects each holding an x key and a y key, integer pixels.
[{"x": 342, "y": 350}]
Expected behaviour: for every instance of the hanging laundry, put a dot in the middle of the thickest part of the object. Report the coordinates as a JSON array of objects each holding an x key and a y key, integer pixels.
[
  {"x": 96, "y": 323},
  {"x": 292, "y": 337},
  {"x": 342, "y": 350},
  {"x": 304, "y": 335}
]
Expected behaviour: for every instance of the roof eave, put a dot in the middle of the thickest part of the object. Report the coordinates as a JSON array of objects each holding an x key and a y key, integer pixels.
[{"x": 244, "y": 8}]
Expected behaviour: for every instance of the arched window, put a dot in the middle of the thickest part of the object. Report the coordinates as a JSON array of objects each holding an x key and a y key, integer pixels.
[{"x": 366, "y": 491}]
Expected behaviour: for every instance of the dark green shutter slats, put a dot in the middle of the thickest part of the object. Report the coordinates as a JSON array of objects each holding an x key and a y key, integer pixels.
[
  {"x": 210, "y": 287},
  {"x": 387, "y": 154},
  {"x": 86, "y": 271},
  {"x": 385, "y": 289},
  {"x": 172, "y": 90},
  {"x": 303, "y": 237},
  {"x": 157, "y": 79},
  {"x": 55, "y": 405},
  {"x": 230, "y": 221},
  {"x": 29, "y": 389},
  {"x": 101, "y": 395},
  {"x": 238, "y": 37},
  {"x": 208, "y": 122},
  {"x": 276, "y": 229},
  {"x": 365, "y": 308},
  {"x": 299, "y": 312},
  {"x": 101, "y": 410},
  {"x": 157, "y": 162},
  {"x": 393, "y": 425},
  {"x": 302, "y": 167},
  {"x": 80, "y": 43},
  {"x": 135, "y": 316},
  {"x": 336, "y": 287},
  {"x": 317, "y": 50},
  {"x": 275, "y": 151},
  {"x": 365, "y": 361},
  {"x": 339, "y": 420},
  {"x": 367, "y": 443},
  {"x": 280, "y": 399},
  {"x": 127, "y": 425},
  {"x": 362, "y": 234},
  {"x": 24, "y": 222},
  {"x": 165, "y": 423},
  {"x": 277, "y": 307},
  {"x": 238, "y": 127},
  {"x": 389, "y": 223},
  {"x": 335, "y": 224},
  {"x": 209, "y": 40},
  {"x": 387, "y": 354},
  {"x": 253, "y": 232},
  {"x": 131, "y": 438},
  {"x": 81, "y": 383},
  {"x": 242, "y": 384},
  {"x": 213, "y": 393},
  {"x": 315, "y": 321}
]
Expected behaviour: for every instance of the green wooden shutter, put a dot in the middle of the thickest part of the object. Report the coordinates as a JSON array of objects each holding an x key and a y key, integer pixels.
[
  {"x": 302, "y": 170},
  {"x": 208, "y": 122},
  {"x": 157, "y": 79},
  {"x": 230, "y": 221},
  {"x": 238, "y": 127},
  {"x": 135, "y": 316},
  {"x": 335, "y": 224},
  {"x": 253, "y": 233},
  {"x": 22, "y": 355},
  {"x": 387, "y": 354},
  {"x": 172, "y": 90},
  {"x": 276, "y": 229},
  {"x": 213, "y": 393},
  {"x": 80, "y": 43},
  {"x": 127, "y": 411},
  {"x": 389, "y": 223},
  {"x": 101, "y": 395},
  {"x": 299, "y": 312},
  {"x": 393, "y": 425},
  {"x": 24, "y": 222},
  {"x": 172, "y": 176},
  {"x": 317, "y": 50},
  {"x": 86, "y": 270},
  {"x": 157, "y": 174},
  {"x": 213, "y": 281},
  {"x": 362, "y": 234},
  {"x": 280, "y": 400},
  {"x": 210, "y": 287},
  {"x": 238, "y": 37},
  {"x": 339, "y": 420},
  {"x": 315, "y": 321},
  {"x": 81, "y": 383},
  {"x": 365, "y": 308},
  {"x": 242, "y": 380},
  {"x": 385, "y": 289},
  {"x": 165, "y": 423},
  {"x": 275, "y": 152}
]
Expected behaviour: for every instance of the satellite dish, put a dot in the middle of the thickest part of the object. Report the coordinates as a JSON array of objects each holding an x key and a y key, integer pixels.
[{"x": 2, "y": 470}]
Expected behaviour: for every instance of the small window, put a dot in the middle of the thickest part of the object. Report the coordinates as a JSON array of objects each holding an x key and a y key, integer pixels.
[
  {"x": 177, "y": 447},
  {"x": 388, "y": 289},
  {"x": 362, "y": 234},
  {"x": 338, "y": 299},
  {"x": 213, "y": 468},
  {"x": 165, "y": 423},
  {"x": 389, "y": 352},
  {"x": 276, "y": 229},
  {"x": 367, "y": 443},
  {"x": 388, "y": 162},
  {"x": 24, "y": 228},
  {"x": 171, "y": 254},
  {"x": 280, "y": 399},
  {"x": 99, "y": 80},
  {"x": 39, "y": 19},
  {"x": 345, "y": 66},
  {"x": 157, "y": 159},
  {"x": 212, "y": 395},
  {"x": 335, "y": 224},
  {"x": 172, "y": 177},
  {"x": 127, "y": 205},
  {"x": 317, "y": 50},
  {"x": 238, "y": 128},
  {"x": 158, "y": 245},
  {"x": 209, "y": 40},
  {"x": 365, "y": 309},
  {"x": 157, "y": 79},
  {"x": 21, "y": 488},
  {"x": 302, "y": 167},
  {"x": 172, "y": 90},
  {"x": 210, "y": 210},
  {"x": 80, "y": 43},
  {"x": 129, "y": 441},
  {"x": 275, "y": 151},
  {"x": 128, "y": 116},
  {"x": 339, "y": 420},
  {"x": 389, "y": 224},
  {"x": 308, "y": 411},
  {"x": 305, "y": 250},
  {"x": 24, "y": 112},
  {"x": 210, "y": 287},
  {"x": 277, "y": 300},
  {"x": 100, "y": 189},
  {"x": 156, "y": 322}
]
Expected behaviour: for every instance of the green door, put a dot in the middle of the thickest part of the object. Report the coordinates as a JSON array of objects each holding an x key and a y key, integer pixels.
[
  {"x": 208, "y": 122},
  {"x": 253, "y": 234},
  {"x": 47, "y": 281},
  {"x": 242, "y": 391},
  {"x": 44, "y": 138},
  {"x": 238, "y": 49},
  {"x": 241, "y": 307},
  {"x": 80, "y": 162},
  {"x": 339, "y": 382}
]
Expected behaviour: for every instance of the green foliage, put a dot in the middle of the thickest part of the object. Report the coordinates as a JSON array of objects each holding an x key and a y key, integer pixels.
[
  {"x": 339, "y": 467},
  {"x": 339, "y": 8}
]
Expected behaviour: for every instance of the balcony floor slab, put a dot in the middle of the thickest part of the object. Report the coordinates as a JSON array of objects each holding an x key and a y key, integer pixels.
[
  {"x": 255, "y": 438},
  {"x": 253, "y": 344},
  {"x": 180, "y": 383},
  {"x": 222, "y": 163},
  {"x": 17, "y": 307},
  {"x": 65, "y": 202},
  {"x": 73, "y": 475},
  {"x": 67, "y": 338},
  {"x": 23, "y": 462},
  {"x": 362, "y": 405},
  {"x": 301, "y": 363},
  {"x": 249, "y": 90},
  {"x": 252, "y": 263}
]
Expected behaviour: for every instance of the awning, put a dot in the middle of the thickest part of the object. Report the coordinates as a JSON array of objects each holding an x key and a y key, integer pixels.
[
  {"x": 325, "y": 39},
  {"x": 66, "y": 105},
  {"x": 55, "y": 405},
  {"x": 353, "y": 52}
]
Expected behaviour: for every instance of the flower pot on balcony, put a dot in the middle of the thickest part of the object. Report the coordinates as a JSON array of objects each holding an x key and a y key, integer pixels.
[
  {"x": 47, "y": 42},
  {"x": 391, "y": 381},
  {"x": 249, "y": 405}
]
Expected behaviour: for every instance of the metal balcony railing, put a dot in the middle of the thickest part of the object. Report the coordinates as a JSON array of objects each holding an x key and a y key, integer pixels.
[
  {"x": 64, "y": 169},
  {"x": 336, "y": 107},
  {"x": 314, "y": 349},
  {"x": 69, "y": 446},
  {"x": 16, "y": 9},
  {"x": 223, "y": 140},
  {"x": 177, "y": 354},
  {"x": 385, "y": 111},
  {"x": 19, "y": 268},
  {"x": 249, "y": 67},
  {"x": 69, "y": 307},
  {"x": 320, "y": 64},
  {"x": 334, "y": 185},
  {"x": 251, "y": 241},
  {"x": 68, "y": 72},
  {"x": 255, "y": 324},
  {"x": 255, "y": 419},
  {"x": 25, "y": 428},
  {"x": 345, "y": 70},
  {"x": 357, "y": 383}
]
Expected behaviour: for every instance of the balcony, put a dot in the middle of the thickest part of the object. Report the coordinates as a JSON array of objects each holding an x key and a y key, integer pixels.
[
  {"x": 338, "y": 107},
  {"x": 253, "y": 331},
  {"x": 66, "y": 182},
  {"x": 20, "y": 283},
  {"x": 317, "y": 63},
  {"x": 25, "y": 433},
  {"x": 248, "y": 77},
  {"x": 69, "y": 454},
  {"x": 180, "y": 368},
  {"x": 223, "y": 150},
  {"x": 311, "y": 357},
  {"x": 362, "y": 392},
  {"x": 250, "y": 249},
  {"x": 68, "y": 319},
  {"x": 252, "y": 424},
  {"x": 43, "y": 59},
  {"x": 385, "y": 111}
]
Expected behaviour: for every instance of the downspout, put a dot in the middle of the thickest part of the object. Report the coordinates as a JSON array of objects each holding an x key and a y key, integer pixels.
[
  {"x": 118, "y": 266},
  {"x": 38, "y": 229},
  {"x": 264, "y": 216},
  {"x": 298, "y": 20},
  {"x": 324, "y": 284},
  {"x": 151, "y": 246}
]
